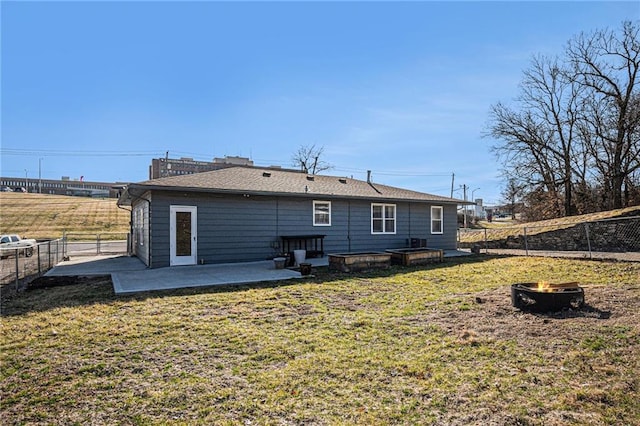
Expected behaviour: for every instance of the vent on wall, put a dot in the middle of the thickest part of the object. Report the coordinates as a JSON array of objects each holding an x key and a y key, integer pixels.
[{"x": 266, "y": 174}]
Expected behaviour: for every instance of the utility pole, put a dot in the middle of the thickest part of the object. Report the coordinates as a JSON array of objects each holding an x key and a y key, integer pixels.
[
  {"x": 474, "y": 203},
  {"x": 464, "y": 210},
  {"x": 39, "y": 175},
  {"x": 453, "y": 178}
]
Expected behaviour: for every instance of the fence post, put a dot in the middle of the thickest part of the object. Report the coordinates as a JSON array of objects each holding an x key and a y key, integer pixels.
[
  {"x": 39, "y": 268},
  {"x": 526, "y": 246},
  {"x": 486, "y": 244},
  {"x": 97, "y": 244},
  {"x": 586, "y": 230},
  {"x": 17, "y": 268}
]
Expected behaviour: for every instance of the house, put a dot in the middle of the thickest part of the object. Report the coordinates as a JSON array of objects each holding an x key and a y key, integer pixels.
[{"x": 242, "y": 213}]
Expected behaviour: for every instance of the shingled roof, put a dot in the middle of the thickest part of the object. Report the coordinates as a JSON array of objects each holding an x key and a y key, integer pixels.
[{"x": 270, "y": 181}]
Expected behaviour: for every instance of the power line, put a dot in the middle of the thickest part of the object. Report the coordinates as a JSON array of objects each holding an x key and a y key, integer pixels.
[
  {"x": 75, "y": 153},
  {"x": 280, "y": 162}
]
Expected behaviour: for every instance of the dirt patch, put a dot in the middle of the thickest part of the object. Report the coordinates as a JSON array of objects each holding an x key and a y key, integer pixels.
[
  {"x": 10, "y": 291},
  {"x": 494, "y": 316},
  {"x": 583, "y": 352},
  {"x": 46, "y": 282}
]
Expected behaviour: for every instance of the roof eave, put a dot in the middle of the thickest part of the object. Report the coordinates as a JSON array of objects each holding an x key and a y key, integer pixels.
[{"x": 147, "y": 187}]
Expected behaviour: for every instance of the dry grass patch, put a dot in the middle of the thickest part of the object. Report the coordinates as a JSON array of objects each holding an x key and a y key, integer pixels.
[
  {"x": 432, "y": 345},
  {"x": 49, "y": 216},
  {"x": 500, "y": 231}
]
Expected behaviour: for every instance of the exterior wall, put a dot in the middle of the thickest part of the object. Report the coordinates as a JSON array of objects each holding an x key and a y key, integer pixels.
[
  {"x": 237, "y": 228},
  {"x": 140, "y": 234}
]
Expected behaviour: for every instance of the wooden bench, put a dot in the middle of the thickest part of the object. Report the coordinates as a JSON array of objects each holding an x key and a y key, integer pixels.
[{"x": 313, "y": 244}]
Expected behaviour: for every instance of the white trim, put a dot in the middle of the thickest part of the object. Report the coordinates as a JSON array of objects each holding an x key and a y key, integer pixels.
[
  {"x": 174, "y": 259},
  {"x": 384, "y": 219},
  {"x": 314, "y": 212},
  {"x": 441, "y": 220}
]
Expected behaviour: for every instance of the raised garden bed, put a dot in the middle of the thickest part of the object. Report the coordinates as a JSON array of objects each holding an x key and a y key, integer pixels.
[
  {"x": 358, "y": 261},
  {"x": 415, "y": 256}
]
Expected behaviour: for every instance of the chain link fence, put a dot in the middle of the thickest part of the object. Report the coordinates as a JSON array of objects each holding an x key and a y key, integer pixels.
[
  {"x": 616, "y": 238},
  {"x": 107, "y": 243},
  {"x": 19, "y": 263}
]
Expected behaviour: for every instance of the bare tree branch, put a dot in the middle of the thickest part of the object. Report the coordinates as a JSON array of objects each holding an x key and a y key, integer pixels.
[{"x": 308, "y": 159}]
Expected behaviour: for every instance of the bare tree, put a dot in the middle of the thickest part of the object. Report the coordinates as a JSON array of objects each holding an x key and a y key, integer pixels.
[
  {"x": 308, "y": 159},
  {"x": 607, "y": 64},
  {"x": 575, "y": 126},
  {"x": 537, "y": 142},
  {"x": 511, "y": 195}
]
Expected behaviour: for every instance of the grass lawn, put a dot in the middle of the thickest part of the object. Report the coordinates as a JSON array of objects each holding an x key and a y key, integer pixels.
[{"x": 430, "y": 345}]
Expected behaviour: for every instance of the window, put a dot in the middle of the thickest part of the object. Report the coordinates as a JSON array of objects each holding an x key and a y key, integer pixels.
[
  {"x": 383, "y": 218},
  {"x": 436, "y": 220},
  {"x": 321, "y": 213}
]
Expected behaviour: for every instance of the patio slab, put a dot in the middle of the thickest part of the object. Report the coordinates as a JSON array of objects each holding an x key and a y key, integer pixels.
[
  {"x": 96, "y": 265},
  {"x": 198, "y": 276},
  {"x": 130, "y": 275}
]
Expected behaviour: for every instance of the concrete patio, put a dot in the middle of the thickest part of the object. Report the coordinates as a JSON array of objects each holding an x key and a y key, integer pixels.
[{"x": 130, "y": 275}]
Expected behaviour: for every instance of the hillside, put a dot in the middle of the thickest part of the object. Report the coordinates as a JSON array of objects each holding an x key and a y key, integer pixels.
[
  {"x": 498, "y": 231},
  {"x": 570, "y": 220},
  {"x": 50, "y": 216}
]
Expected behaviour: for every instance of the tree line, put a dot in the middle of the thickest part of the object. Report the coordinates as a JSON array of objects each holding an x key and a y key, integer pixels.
[{"x": 569, "y": 143}]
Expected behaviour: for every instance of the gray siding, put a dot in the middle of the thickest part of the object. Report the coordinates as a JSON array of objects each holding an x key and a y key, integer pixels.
[
  {"x": 140, "y": 230},
  {"x": 236, "y": 228}
]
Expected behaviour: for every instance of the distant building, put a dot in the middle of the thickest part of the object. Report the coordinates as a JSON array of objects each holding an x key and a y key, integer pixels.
[
  {"x": 164, "y": 167},
  {"x": 65, "y": 186}
]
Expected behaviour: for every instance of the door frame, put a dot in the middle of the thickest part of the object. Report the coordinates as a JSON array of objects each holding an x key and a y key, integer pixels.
[{"x": 174, "y": 259}]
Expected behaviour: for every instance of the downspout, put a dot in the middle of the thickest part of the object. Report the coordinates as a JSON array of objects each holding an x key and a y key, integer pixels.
[
  {"x": 136, "y": 197},
  {"x": 409, "y": 236},
  {"x": 129, "y": 238},
  {"x": 349, "y": 224}
]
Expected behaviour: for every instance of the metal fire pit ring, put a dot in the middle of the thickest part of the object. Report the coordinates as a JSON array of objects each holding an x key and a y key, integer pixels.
[{"x": 527, "y": 296}]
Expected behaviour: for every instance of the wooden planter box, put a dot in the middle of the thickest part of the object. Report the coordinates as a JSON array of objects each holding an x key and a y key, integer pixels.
[
  {"x": 415, "y": 256},
  {"x": 350, "y": 262}
]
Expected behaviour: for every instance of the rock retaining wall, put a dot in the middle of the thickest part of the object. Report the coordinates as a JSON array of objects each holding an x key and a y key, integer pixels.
[{"x": 608, "y": 236}]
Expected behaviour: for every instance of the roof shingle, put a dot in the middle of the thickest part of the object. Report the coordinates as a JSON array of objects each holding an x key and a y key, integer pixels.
[{"x": 269, "y": 181}]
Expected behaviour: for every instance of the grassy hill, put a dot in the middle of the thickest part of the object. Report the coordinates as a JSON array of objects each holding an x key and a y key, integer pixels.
[
  {"x": 49, "y": 216},
  {"x": 502, "y": 230},
  {"x": 591, "y": 217}
]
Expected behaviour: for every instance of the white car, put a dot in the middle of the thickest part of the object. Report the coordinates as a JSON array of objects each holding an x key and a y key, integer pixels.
[{"x": 9, "y": 244}]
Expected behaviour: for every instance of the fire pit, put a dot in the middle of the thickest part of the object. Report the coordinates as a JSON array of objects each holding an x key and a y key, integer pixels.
[{"x": 546, "y": 297}]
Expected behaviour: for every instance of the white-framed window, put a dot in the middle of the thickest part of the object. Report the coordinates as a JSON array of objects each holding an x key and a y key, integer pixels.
[
  {"x": 322, "y": 213},
  {"x": 436, "y": 219},
  {"x": 383, "y": 218}
]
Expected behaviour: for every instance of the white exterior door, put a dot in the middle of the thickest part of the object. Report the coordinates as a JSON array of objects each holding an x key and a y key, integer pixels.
[{"x": 183, "y": 241}]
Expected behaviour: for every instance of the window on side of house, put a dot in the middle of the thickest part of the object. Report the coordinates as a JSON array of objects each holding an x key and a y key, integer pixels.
[
  {"x": 436, "y": 219},
  {"x": 322, "y": 213},
  {"x": 383, "y": 218}
]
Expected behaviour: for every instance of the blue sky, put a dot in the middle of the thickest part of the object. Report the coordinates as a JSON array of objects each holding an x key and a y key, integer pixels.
[{"x": 98, "y": 89}]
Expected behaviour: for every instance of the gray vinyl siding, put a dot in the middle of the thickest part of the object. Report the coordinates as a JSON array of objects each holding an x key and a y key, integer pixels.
[
  {"x": 237, "y": 228},
  {"x": 140, "y": 230}
]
